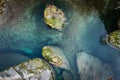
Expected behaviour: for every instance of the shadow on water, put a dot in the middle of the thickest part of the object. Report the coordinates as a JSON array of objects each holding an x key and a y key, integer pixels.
[{"x": 111, "y": 16}]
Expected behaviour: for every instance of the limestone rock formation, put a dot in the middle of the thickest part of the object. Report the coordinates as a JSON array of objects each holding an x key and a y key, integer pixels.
[{"x": 35, "y": 69}]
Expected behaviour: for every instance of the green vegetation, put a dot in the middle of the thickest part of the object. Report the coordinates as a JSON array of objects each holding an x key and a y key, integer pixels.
[
  {"x": 32, "y": 66},
  {"x": 54, "y": 17},
  {"x": 50, "y": 55},
  {"x": 114, "y": 39}
]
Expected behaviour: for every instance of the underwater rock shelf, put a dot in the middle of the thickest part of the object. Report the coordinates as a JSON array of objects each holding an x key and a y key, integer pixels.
[{"x": 91, "y": 68}]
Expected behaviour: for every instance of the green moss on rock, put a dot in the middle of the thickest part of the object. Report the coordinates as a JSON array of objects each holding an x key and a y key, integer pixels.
[
  {"x": 114, "y": 39},
  {"x": 49, "y": 54},
  {"x": 36, "y": 69},
  {"x": 54, "y": 17}
]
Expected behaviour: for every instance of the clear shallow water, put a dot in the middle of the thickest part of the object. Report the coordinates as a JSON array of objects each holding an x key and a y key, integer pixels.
[{"x": 23, "y": 38}]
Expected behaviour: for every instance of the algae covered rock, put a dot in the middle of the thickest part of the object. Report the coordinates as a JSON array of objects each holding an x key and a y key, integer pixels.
[
  {"x": 113, "y": 39},
  {"x": 35, "y": 69},
  {"x": 54, "y": 17},
  {"x": 55, "y": 56}
]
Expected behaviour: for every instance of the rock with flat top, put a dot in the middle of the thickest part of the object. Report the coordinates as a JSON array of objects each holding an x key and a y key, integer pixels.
[{"x": 35, "y": 69}]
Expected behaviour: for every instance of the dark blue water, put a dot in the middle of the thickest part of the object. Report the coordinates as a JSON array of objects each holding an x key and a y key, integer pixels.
[{"x": 24, "y": 40}]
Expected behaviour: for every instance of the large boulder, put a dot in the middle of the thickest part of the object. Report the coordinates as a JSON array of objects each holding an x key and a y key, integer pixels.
[
  {"x": 35, "y": 69},
  {"x": 91, "y": 68},
  {"x": 54, "y": 17}
]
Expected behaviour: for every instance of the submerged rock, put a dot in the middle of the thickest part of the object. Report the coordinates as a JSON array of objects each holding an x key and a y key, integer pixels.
[
  {"x": 54, "y": 17},
  {"x": 67, "y": 76},
  {"x": 35, "y": 69},
  {"x": 55, "y": 56},
  {"x": 113, "y": 39},
  {"x": 91, "y": 68}
]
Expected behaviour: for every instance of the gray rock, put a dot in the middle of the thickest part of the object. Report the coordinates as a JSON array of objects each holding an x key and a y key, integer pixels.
[
  {"x": 9, "y": 74},
  {"x": 35, "y": 69},
  {"x": 91, "y": 68}
]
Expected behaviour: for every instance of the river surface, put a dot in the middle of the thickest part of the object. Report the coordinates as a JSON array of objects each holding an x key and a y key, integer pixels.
[{"x": 23, "y": 38}]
